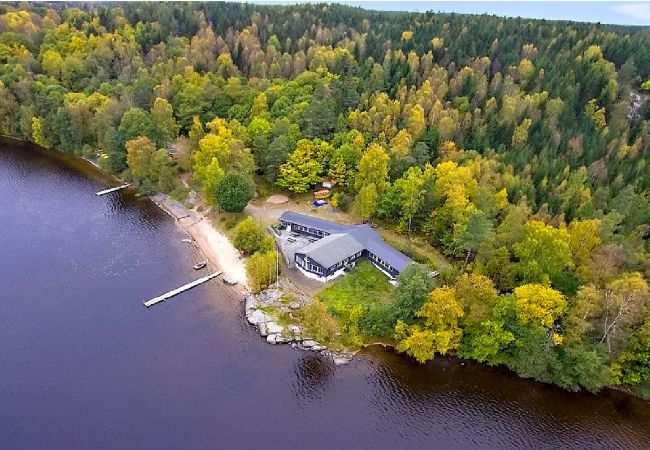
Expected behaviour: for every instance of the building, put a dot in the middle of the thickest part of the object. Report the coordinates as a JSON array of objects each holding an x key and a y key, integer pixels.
[{"x": 322, "y": 250}]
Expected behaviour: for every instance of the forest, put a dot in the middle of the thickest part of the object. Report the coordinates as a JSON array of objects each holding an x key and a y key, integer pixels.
[{"x": 518, "y": 148}]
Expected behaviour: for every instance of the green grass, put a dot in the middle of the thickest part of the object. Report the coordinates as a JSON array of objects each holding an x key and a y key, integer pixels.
[{"x": 364, "y": 286}]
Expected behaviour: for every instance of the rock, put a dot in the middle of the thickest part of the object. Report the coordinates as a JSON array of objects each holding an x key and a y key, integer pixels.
[
  {"x": 295, "y": 329},
  {"x": 309, "y": 343},
  {"x": 341, "y": 360},
  {"x": 272, "y": 339},
  {"x": 273, "y": 295},
  {"x": 263, "y": 329},
  {"x": 257, "y": 317},
  {"x": 274, "y": 327},
  {"x": 318, "y": 348},
  {"x": 251, "y": 304},
  {"x": 294, "y": 305}
]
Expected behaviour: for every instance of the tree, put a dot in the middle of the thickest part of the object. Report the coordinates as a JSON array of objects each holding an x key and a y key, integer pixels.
[
  {"x": 250, "y": 237},
  {"x": 261, "y": 270},
  {"x": 38, "y": 133},
  {"x": 139, "y": 153},
  {"x": 302, "y": 170},
  {"x": 365, "y": 203},
  {"x": 412, "y": 193},
  {"x": 318, "y": 323},
  {"x": 373, "y": 168},
  {"x": 537, "y": 305},
  {"x": 633, "y": 365},
  {"x": 275, "y": 156},
  {"x": 544, "y": 252},
  {"x": 413, "y": 286},
  {"x": 478, "y": 297},
  {"x": 136, "y": 122},
  {"x": 415, "y": 341},
  {"x": 478, "y": 231},
  {"x": 439, "y": 332},
  {"x": 151, "y": 169},
  {"x": 338, "y": 172},
  {"x": 319, "y": 117},
  {"x": 485, "y": 342},
  {"x": 233, "y": 191},
  {"x": 209, "y": 176},
  {"x": 164, "y": 121}
]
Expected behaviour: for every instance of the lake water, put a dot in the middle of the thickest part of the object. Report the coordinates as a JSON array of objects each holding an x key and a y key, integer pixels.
[{"x": 84, "y": 365}]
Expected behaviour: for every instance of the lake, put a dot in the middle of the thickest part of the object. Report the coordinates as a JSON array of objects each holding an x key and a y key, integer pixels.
[{"x": 84, "y": 365}]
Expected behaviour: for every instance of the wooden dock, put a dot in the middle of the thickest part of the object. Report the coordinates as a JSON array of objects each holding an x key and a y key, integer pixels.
[
  {"x": 170, "y": 294},
  {"x": 108, "y": 191}
]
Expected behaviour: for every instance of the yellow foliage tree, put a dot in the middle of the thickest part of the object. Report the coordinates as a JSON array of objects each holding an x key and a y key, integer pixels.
[{"x": 538, "y": 305}]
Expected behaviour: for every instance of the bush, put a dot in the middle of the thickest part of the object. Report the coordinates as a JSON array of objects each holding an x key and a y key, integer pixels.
[
  {"x": 318, "y": 323},
  {"x": 251, "y": 237},
  {"x": 262, "y": 269}
]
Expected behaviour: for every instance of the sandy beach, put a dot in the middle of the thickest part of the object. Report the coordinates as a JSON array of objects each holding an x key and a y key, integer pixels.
[{"x": 216, "y": 247}]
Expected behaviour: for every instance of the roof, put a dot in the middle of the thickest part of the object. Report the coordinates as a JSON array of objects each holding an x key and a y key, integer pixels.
[
  {"x": 312, "y": 222},
  {"x": 363, "y": 235},
  {"x": 373, "y": 242},
  {"x": 332, "y": 249}
]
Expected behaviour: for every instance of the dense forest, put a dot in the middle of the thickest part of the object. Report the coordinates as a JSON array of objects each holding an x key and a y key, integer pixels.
[{"x": 518, "y": 148}]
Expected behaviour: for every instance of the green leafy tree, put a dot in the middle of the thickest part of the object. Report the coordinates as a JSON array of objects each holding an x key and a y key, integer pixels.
[
  {"x": 162, "y": 115},
  {"x": 413, "y": 286},
  {"x": 544, "y": 252},
  {"x": 302, "y": 171},
  {"x": 250, "y": 237},
  {"x": 233, "y": 191},
  {"x": 365, "y": 203}
]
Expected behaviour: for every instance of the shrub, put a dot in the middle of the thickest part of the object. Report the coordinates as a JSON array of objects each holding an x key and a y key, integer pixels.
[
  {"x": 261, "y": 270},
  {"x": 318, "y": 323},
  {"x": 251, "y": 237}
]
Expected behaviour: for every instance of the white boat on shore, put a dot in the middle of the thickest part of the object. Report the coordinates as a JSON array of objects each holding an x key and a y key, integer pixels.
[
  {"x": 200, "y": 265},
  {"x": 229, "y": 281}
]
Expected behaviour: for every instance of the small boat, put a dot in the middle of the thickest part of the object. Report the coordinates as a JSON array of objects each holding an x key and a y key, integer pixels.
[
  {"x": 229, "y": 281},
  {"x": 187, "y": 240},
  {"x": 200, "y": 265},
  {"x": 322, "y": 194}
]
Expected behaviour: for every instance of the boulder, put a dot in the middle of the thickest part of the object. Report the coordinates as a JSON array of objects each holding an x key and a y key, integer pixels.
[
  {"x": 251, "y": 304},
  {"x": 263, "y": 329},
  {"x": 272, "y": 339},
  {"x": 274, "y": 327},
  {"x": 317, "y": 348},
  {"x": 256, "y": 317},
  {"x": 341, "y": 360},
  {"x": 295, "y": 329},
  {"x": 294, "y": 305},
  {"x": 309, "y": 343}
]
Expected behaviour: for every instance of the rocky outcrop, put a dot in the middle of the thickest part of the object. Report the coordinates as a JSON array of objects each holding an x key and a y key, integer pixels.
[{"x": 264, "y": 309}]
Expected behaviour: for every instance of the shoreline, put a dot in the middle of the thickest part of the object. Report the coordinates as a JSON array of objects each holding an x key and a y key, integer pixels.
[{"x": 214, "y": 245}]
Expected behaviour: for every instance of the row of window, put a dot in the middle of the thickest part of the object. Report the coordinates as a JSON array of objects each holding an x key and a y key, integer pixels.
[
  {"x": 295, "y": 227},
  {"x": 345, "y": 261},
  {"x": 309, "y": 266},
  {"x": 380, "y": 261}
]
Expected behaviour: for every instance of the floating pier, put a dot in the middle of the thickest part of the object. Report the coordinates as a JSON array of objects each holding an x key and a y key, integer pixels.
[
  {"x": 170, "y": 294},
  {"x": 108, "y": 191}
]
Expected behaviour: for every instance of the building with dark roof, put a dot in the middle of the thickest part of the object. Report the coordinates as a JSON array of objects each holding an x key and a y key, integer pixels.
[{"x": 331, "y": 247}]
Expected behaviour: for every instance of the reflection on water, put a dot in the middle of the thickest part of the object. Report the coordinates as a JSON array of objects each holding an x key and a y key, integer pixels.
[
  {"x": 313, "y": 376},
  {"x": 85, "y": 365}
]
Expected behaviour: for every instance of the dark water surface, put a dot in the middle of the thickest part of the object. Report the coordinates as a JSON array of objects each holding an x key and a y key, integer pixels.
[{"x": 83, "y": 365}]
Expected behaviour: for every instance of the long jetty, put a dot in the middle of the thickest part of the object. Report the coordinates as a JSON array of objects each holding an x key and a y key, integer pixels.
[
  {"x": 108, "y": 191},
  {"x": 170, "y": 294}
]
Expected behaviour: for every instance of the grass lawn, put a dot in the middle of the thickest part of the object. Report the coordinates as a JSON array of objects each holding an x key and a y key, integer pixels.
[{"x": 364, "y": 286}]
